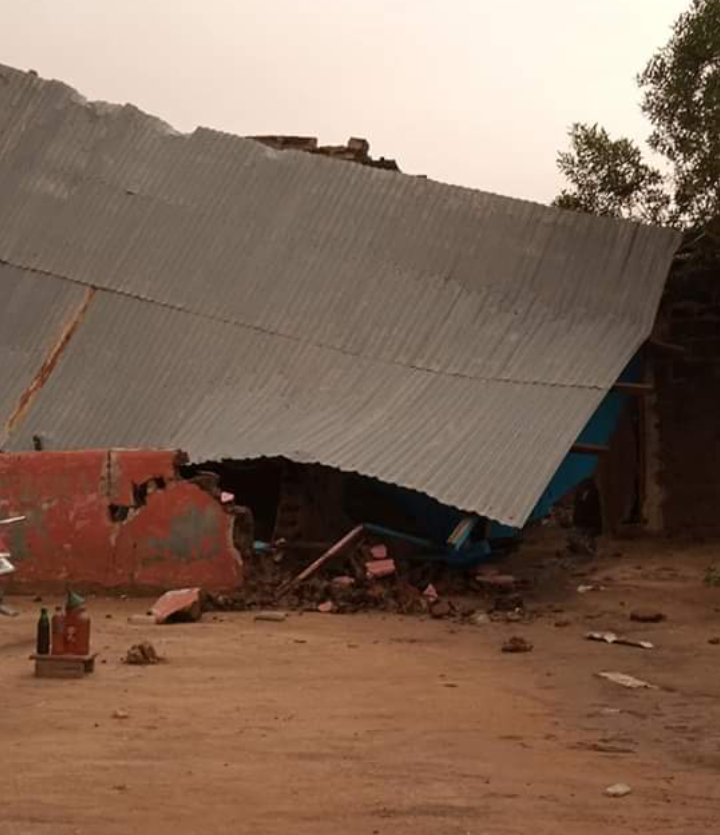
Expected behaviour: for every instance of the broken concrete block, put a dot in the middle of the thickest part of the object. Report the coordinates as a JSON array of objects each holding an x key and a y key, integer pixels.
[
  {"x": 183, "y": 604},
  {"x": 430, "y": 593},
  {"x": 379, "y": 568}
]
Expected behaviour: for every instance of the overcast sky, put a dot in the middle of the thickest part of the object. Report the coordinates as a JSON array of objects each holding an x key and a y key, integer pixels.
[{"x": 475, "y": 92}]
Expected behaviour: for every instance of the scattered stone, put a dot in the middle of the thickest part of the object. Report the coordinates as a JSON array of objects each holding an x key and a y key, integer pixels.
[
  {"x": 714, "y": 641},
  {"x": 108, "y": 616},
  {"x": 584, "y": 588},
  {"x": 618, "y": 790},
  {"x": 142, "y": 654},
  {"x": 440, "y": 609},
  {"x": 326, "y": 608},
  {"x": 647, "y": 616},
  {"x": 274, "y": 617},
  {"x": 562, "y": 623},
  {"x": 479, "y": 619},
  {"x": 517, "y": 644},
  {"x": 37, "y": 599},
  {"x": 118, "y": 713},
  {"x": 120, "y": 787},
  {"x": 624, "y": 680}
]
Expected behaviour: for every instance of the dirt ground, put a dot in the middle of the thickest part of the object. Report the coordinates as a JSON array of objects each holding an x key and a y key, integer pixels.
[{"x": 380, "y": 724}]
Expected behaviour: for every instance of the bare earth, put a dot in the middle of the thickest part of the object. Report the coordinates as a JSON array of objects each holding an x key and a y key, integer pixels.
[{"x": 381, "y": 724}]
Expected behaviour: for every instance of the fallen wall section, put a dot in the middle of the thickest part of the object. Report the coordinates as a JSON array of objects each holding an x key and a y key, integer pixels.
[{"x": 114, "y": 520}]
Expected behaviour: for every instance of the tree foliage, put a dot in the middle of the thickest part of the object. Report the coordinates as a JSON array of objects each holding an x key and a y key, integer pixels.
[
  {"x": 608, "y": 177},
  {"x": 681, "y": 99}
]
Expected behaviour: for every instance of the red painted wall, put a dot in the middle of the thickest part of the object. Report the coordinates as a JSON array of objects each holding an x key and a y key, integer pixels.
[{"x": 179, "y": 535}]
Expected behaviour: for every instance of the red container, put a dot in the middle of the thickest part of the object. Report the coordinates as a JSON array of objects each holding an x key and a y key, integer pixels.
[
  {"x": 77, "y": 632},
  {"x": 57, "y": 631}
]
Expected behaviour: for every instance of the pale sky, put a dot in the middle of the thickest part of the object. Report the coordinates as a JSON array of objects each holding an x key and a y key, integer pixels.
[{"x": 474, "y": 92}]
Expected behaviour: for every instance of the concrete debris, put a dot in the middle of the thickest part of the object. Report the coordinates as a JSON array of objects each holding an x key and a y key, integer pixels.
[
  {"x": 178, "y": 605},
  {"x": 562, "y": 623},
  {"x": 618, "y": 790},
  {"x": 430, "y": 593},
  {"x": 441, "y": 609},
  {"x": 273, "y": 617},
  {"x": 584, "y": 588},
  {"x": 327, "y": 607},
  {"x": 647, "y": 616},
  {"x": 625, "y": 680},
  {"x": 479, "y": 619},
  {"x": 517, "y": 644},
  {"x": 380, "y": 568},
  {"x": 119, "y": 713},
  {"x": 612, "y": 638},
  {"x": 142, "y": 654}
]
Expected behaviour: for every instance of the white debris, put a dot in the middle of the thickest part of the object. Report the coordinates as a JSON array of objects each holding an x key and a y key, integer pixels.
[
  {"x": 625, "y": 680},
  {"x": 618, "y": 790}
]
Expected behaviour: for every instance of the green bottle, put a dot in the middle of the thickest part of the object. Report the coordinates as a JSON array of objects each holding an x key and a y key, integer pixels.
[{"x": 43, "y": 633}]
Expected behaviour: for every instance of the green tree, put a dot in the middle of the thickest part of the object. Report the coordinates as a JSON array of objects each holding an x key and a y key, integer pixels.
[
  {"x": 681, "y": 99},
  {"x": 608, "y": 177}
]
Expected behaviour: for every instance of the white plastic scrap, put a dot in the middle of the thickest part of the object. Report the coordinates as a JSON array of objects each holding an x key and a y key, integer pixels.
[
  {"x": 612, "y": 638},
  {"x": 625, "y": 680}
]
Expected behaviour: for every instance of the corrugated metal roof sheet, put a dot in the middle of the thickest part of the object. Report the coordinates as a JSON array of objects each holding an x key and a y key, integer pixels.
[{"x": 442, "y": 338}]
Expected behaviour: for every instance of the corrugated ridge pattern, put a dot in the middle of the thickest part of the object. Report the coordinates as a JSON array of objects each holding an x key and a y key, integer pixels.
[
  {"x": 137, "y": 373},
  {"x": 434, "y": 336}
]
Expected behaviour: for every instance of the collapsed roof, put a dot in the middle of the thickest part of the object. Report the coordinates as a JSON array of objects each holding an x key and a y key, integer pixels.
[{"x": 206, "y": 292}]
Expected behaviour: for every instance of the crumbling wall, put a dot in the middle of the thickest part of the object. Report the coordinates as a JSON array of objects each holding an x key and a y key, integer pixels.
[
  {"x": 686, "y": 407},
  {"x": 357, "y": 150},
  {"x": 114, "y": 520}
]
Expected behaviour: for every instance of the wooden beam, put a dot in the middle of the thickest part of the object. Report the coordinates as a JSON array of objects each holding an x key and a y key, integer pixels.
[
  {"x": 634, "y": 388},
  {"x": 589, "y": 449},
  {"x": 666, "y": 347}
]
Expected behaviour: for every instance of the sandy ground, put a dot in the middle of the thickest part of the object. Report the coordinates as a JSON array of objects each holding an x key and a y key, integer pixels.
[{"x": 381, "y": 724}]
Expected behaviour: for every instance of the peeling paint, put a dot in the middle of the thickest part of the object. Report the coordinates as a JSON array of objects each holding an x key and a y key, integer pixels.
[{"x": 178, "y": 535}]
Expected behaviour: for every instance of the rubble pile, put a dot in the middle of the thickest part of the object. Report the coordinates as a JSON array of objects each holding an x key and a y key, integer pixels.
[{"x": 367, "y": 578}]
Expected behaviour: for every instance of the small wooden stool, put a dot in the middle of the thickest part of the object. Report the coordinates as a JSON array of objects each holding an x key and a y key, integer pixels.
[{"x": 63, "y": 666}]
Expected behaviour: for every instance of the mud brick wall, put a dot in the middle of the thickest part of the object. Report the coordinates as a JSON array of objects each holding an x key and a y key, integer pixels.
[{"x": 687, "y": 406}]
